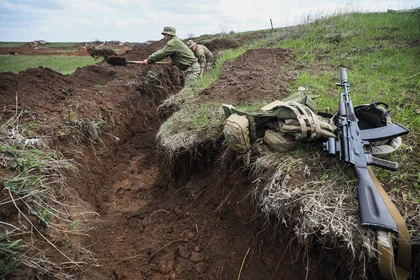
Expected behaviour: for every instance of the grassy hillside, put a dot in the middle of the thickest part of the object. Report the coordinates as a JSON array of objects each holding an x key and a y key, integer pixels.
[{"x": 381, "y": 53}]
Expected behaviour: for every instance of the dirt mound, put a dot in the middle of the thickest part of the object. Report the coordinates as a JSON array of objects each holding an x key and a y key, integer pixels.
[
  {"x": 262, "y": 72},
  {"x": 44, "y": 92},
  {"x": 221, "y": 44}
]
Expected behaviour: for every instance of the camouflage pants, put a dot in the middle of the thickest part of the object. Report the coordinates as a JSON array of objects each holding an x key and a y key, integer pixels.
[
  {"x": 209, "y": 65},
  {"x": 191, "y": 73}
]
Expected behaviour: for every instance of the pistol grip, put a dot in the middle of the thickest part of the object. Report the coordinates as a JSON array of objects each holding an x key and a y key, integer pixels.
[{"x": 386, "y": 164}]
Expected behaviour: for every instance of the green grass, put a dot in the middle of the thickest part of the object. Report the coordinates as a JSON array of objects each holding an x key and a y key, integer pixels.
[
  {"x": 194, "y": 116},
  {"x": 11, "y": 44},
  {"x": 62, "y": 64},
  {"x": 35, "y": 178},
  {"x": 380, "y": 51},
  {"x": 60, "y": 44},
  {"x": 8, "y": 252},
  {"x": 48, "y": 44}
]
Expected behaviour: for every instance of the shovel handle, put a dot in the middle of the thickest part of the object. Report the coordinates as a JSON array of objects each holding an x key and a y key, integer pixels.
[{"x": 141, "y": 62}]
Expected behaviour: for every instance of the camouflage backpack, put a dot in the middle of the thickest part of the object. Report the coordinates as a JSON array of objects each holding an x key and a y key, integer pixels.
[
  {"x": 236, "y": 131},
  {"x": 281, "y": 124}
]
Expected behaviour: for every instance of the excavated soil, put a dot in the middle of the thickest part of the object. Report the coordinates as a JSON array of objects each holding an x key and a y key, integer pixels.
[{"x": 151, "y": 224}]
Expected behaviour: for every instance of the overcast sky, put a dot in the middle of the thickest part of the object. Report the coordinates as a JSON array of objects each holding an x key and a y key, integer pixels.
[{"x": 142, "y": 20}]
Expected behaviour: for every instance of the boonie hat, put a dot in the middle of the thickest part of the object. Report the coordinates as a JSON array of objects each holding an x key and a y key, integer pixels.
[
  {"x": 168, "y": 30},
  {"x": 190, "y": 44}
]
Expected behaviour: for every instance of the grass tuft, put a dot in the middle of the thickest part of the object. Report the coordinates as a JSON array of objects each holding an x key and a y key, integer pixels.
[{"x": 34, "y": 185}]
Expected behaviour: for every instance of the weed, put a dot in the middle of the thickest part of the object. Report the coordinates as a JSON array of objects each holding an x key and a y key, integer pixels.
[
  {"x": 74, "y": 224},
  {"x": 35, "y": 179},
  {"x": 74, "y": 114},
  {"x": 9, "y": 252}
]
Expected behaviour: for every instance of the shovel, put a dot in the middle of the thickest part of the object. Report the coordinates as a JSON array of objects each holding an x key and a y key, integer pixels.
[{"x": 121, "y": 61}]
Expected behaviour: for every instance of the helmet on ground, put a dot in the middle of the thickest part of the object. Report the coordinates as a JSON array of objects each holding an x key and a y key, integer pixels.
[
  {"x": 376, "y": 115},
  {"x": 190, "y": 44},
  {"x": 168, "y": 30}
]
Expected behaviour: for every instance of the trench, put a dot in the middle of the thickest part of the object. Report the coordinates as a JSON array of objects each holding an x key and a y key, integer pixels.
[{"x": 194, "y": 220}]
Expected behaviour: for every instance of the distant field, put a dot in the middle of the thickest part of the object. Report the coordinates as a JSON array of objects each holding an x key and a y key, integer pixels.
[
  {"x": 62, "y": 57},
  {"x": 62, "y": 64},
  {"x": 49, "y": 44},
  {"x": 11, "y": 44}
]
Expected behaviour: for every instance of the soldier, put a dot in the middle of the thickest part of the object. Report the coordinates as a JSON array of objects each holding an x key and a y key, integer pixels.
[
  {"x": 180, "y": 56},
  {"x": 205, "y": 57}
]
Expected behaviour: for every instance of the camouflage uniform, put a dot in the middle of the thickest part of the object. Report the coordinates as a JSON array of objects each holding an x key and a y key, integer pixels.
[
  {"x": 180, "y": 55},
  {"x": 204, "y": 55}
]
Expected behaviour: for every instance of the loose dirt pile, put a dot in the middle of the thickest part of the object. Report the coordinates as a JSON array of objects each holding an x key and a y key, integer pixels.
[
  {"x": 221, "y": 44},
  {"x": 257, "y": 73}
]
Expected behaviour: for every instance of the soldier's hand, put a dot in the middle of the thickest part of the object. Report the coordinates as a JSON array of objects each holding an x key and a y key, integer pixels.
[{"x": 145, "y": 61}]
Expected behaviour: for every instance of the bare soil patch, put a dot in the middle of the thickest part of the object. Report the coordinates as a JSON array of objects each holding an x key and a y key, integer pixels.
[{"x": 257, "y": 73}]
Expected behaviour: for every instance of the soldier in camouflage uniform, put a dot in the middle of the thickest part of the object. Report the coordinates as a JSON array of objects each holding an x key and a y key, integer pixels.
[
  {"x": 204, "y": 55},
  {"x": 179, "y": 53}
]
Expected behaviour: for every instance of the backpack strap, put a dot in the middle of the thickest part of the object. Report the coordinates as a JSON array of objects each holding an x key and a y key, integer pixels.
[
  {"x": 393, "y": 268},
  {"x": 311, "y": 121},
  {"x": 284, "y": 115}
]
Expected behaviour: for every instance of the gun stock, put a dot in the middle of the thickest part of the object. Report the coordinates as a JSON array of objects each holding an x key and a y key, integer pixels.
[{"x": 373, "y": 211}]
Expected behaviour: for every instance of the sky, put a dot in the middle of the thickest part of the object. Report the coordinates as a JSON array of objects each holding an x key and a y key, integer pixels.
[{"x": 143, "y": 20}]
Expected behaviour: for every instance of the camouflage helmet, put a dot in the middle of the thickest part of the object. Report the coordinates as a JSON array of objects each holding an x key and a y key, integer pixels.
[
  {"x": 377, "y": 115},
  {"x": 168, "y": 30},
  {"x": 190, "y": 44}
]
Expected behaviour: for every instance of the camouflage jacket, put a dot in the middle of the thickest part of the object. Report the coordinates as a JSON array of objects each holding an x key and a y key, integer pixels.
[
  {"x": 205, "y": 57},
  {"x": 179, "y": 53}
]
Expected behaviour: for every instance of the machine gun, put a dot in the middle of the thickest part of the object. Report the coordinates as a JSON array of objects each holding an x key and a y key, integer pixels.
[{"x": 349, "y": 146}]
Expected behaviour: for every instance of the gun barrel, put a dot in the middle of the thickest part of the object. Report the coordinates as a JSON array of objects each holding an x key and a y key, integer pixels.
[{"x": 343, "y": 73}]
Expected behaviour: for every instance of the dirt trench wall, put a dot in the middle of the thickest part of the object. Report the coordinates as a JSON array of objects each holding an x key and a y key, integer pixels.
[
  {"x": 212, "y": 172},
  {"x": 99, "y": 117}
]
